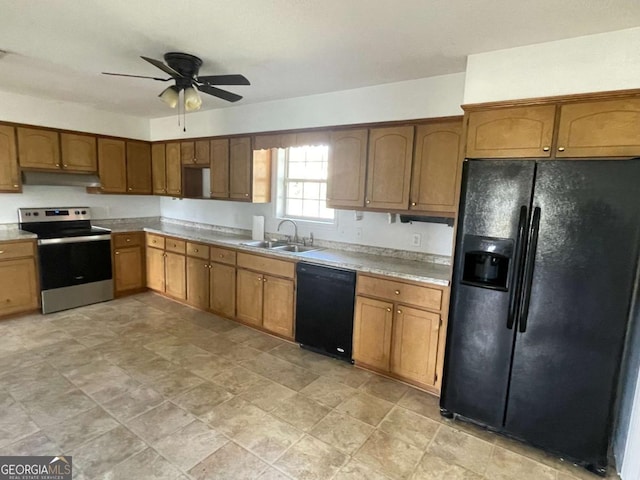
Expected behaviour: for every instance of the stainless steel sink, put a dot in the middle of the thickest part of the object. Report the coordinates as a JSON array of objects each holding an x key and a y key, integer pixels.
[
  {"x": 295, "y": 248},
  {"x": 265, "y": 244}
]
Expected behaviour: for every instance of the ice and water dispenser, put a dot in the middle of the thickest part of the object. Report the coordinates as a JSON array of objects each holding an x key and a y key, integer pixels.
[{"x": 487, "y": 261}]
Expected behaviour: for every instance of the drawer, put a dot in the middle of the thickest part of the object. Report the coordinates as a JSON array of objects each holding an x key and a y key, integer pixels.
[
  {"x": 198, "y": 250},
  {"x": 16, "y": 250},
  {"x": 222, "y": 255},
  {"x": 156, "y": 241},
  {"x": 400, "y": 292},
  {"x": 175, "y": 245},
  {"x": 126, "y": 239},
  {"x": 271, "y": 266}
]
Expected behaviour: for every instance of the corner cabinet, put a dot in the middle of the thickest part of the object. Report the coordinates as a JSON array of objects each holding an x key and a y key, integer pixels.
[
  {"x": 128, "y": 263},
  {"x": 400, "y": 329},
  {"x": 265, "y": 293},
  {"x": 9, "y": 172},
  {"x": 389, "y": 167},
  {"x": 19, "y": 290}
]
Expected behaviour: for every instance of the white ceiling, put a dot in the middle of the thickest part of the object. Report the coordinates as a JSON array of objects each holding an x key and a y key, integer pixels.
[{"x": 286, "y": 48}]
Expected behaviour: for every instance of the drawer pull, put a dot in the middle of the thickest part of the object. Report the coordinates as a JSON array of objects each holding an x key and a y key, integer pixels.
[
  {"x": 195, "y": 250},
  {"x": 397, "y": 292},
  {"x": 388, "y": 309},
  {"x": 128, "y": 239},
  {"x": 221, "y": 255}
]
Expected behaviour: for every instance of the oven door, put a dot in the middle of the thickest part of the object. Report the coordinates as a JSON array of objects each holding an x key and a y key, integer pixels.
[{"x": 70, "y": 261}]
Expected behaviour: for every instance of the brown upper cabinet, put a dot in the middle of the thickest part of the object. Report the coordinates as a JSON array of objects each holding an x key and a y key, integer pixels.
[
  {"x": 139, "y": 168},
  {"x": 9, "y": 173},
  {"x": 195, "y": 153},
  {"x": 173, "y": 169},
  {"x": 389, "y": 167},
  {"x": 511, "y": 132},
  {"x": 436, "y": 165},
  {"x": 605, "y": 128},
  {"x": 583, "y": 129},
  {"x": 158, "y": 169},
  {"x": 79, "y": 153},
  {"x": 38, "y": 148},
  {"x": 347, "y": 165},
  {"x": 219, "y": 172},
  {"x": 249, "y": 172},
  {"x": 112, "y": 165}
]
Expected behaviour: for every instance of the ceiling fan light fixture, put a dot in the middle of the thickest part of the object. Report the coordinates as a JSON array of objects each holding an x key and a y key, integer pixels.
[
  {"x": 192, "y": 100},
  {"x": 170, "y": 96}
]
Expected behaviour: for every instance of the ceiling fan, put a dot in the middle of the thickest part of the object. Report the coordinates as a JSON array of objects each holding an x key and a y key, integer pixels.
[{"x": 183, "y": 68}]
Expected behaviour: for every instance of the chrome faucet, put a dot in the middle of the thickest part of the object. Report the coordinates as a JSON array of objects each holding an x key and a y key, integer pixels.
[{"x": 295, "y": 229}]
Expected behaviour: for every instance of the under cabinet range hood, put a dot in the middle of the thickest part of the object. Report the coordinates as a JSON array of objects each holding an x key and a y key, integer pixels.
[{"x": 61, "y": 179}]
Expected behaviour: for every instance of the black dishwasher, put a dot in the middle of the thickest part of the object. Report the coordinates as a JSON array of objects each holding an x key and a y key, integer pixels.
[{"x": 324, "y": 309}]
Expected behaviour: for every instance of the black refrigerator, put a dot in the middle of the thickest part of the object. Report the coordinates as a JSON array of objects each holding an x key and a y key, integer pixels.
[{"x": 544, "y": 270}]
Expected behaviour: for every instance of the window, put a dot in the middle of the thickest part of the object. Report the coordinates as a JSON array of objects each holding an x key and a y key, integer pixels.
[{"x": 305, "y": 184}]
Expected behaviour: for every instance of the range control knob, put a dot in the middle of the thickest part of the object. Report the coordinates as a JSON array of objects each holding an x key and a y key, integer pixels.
[
  {"x": 77, "y": 212},
  {"x": 35, "y": 214},
  {"x": 84, "y": 212}
]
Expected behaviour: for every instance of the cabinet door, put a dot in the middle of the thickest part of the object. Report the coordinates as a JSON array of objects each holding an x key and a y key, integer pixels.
[
  {"x": 198, "y": 282},
  {"x": 372, "y": 332},
  {"x": 511, "y": 132},
  {"x": 155, "y": 269},
  {"x": 277, "y": 314},
  {"x": 38, "y": 148},
  {"x": 18, "y": 286},
  {"x": 389, "y": 167},
  {"x": 188, "y": 153},
  {"x": 436, "y": 164},
  {"x": 9, "y": 173},
  {"x": 175, "y": 275},
  {"x": 220, "y": 168},
  {"x": 174, "y": 169},
  {"x": 249, "y": 294},
  {"x": 223, "y": 290},
  {"x": 128, "y": 269},
  {"x": 139, "y": 168},
  {"x": 158, "y": 169},
  {"x": 202, "y": 156},
  {"x": 607, "y": 128},
  {"x": 79, "y": 152},
  {"x": 415, "y": 344},
  {"x": 240, "y": 168},
  {"x": 112, "y": 165},
  {"x": 347, "y": 168}
]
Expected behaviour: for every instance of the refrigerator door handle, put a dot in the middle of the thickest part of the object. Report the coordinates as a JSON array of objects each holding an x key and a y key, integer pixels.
[
  {"x": 528, "y": 271},
  {"x": 518, "y": 263}
]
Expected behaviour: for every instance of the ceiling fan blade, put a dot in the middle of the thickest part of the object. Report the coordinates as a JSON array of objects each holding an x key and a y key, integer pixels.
[
  {"x": 136, "y": 76},
  {"x": 216, "y": 92},
  {"x": 224, "y": 80},
  {"x": 162, "y": 66}
]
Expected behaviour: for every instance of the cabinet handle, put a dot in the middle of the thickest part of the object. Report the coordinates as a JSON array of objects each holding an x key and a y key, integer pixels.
[
  {"x": 195, "y": 160},
  {"x": 368, "y": 201},
  {"x": 1, "y": 252},
  {"x": 399, "y": 311},
  {"x": 397, "y": 292},
  {"x": 259, "y": 277},
  {"x": 65, "y": 165},
  {"x": 15, "y": 185},
  {"x": 545, "y": 149},
  {"x": 246, "y": 194},
  {"x": 128, "y": 240},
  {"x": 130, "y": 188},
  {"x": 388, "y": 309},
  {"x": 117, "y": 253},
  {"x": 57, "y": 164},
  {"x": 206, "y": 265},
  {"x": 195, "y": 250},
  {"x": 561, "y": 149},
  {"x": 264, "y": 279},
  {"x": 413, "y": 204},
  {"x": 221, "y": 256}
]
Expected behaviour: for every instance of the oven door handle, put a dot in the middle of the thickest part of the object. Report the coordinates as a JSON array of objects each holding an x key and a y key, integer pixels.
[{"x": 86, "y": 238}]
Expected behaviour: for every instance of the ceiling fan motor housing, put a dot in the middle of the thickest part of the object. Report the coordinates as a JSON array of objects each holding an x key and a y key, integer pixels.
[{"x": 186, "y": 65}]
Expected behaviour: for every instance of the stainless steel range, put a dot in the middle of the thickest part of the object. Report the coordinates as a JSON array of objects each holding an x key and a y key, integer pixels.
[{"x": 74, "y": 258}]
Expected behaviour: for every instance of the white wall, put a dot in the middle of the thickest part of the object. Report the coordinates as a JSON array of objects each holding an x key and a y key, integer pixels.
[
  {"x": 607, "y": 61},
  {"x": 423, "y": 98},
  {"x": 71, "y": 116},
  {"x": 102, "y": 206}
]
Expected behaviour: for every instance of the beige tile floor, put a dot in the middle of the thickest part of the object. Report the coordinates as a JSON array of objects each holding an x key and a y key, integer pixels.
[{"x": 145, "y": 388}]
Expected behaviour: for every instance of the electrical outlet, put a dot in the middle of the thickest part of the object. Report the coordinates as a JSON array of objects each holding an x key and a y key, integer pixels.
[
  {"x": 416, "y": 239},
  {"x": 358, "y": 233}
]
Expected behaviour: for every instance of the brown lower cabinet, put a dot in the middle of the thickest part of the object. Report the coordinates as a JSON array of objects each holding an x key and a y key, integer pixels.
[
  {"x": 166, "y": 266},
  {"x": 198, "y": 268},
  {"x": 18, "y": 279},
  {"x": 128, "y": 262},
  {"x": 222, "y": 282},
  {"x": 399, "y": 329}
]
